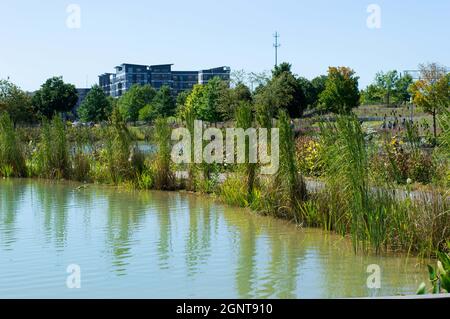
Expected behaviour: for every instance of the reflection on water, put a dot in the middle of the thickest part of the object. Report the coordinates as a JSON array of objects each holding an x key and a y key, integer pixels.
[{"x": 173, "y": 245}]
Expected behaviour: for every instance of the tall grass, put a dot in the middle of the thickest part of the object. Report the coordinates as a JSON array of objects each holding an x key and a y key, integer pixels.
[
  {"x": 164, "y": 178},
  {"x": 12, "y": 159},
  {"x": 51, "y": 159},
  {"x": 244, "y": 120},
  {"x": 288, "y": 177},
  {"x": 118, "y": 147},
  {"x": 354, "y": 207}
]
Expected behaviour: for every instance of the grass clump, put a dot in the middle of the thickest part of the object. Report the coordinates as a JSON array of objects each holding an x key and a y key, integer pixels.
[
  {"x": 51, "y": 159},
  {"x": 163, "y": 177},
  {"x": 12, "y": 159}
]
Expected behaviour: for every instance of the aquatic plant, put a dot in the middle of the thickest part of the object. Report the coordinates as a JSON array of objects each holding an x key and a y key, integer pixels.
[
  {"x": 244, "y": 120},
  {"x": 439, "y": 276},
  {"x": 51, "y": 159},
  {"x": 12, "y": 159},
  {"x": 118, "y": 146},
  {"x": 288, "y": 179},
  {"x": 164, "y": 179}
]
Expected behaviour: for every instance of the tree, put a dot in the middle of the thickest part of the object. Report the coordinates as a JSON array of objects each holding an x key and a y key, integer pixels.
[
  {"x": 163, "y": 102},
  {"x": 318, "y": 84},
  {"x": 386, "y": 83},
  {"x": 181, "y": 102},
  {"x": 53, "y": 97},
  {"x": 135, "y": 99},
  {"x": 96, "y": 107},
  {"x": 281, "y": 68},
  {"x": 193, "y": 102},
  {"x": 371, "y": 95},
  {"x": 15, "y": 102},
  {"x": 283, "y": 91},
  {"x": 432, "y": 91},
  {"x": 148, "y": 113},
  {"x": 308, "y": 91},
  {"x": 214, "y": 93},
  {"x": 341, "y": 92},
  {"x": 231, "y": 99},
  {"x": 402, "y": 85}
]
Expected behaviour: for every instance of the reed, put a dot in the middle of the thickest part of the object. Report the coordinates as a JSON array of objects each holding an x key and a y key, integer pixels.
[
  {"x": 51, "y": 159},
  {"x": 288, "y": 178},
  {"x": 164, "y": 179},
  {"x": 12, "y": 159}
]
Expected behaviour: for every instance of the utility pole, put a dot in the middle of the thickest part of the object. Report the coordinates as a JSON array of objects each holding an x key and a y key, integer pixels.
[{"x": 276, "y": 45}]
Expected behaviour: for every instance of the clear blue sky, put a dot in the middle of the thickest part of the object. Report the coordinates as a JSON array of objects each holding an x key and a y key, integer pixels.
[{"x": 195, "y": 34}]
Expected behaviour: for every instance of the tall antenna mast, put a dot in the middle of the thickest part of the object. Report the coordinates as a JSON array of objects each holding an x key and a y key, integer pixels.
[{"x": 276, "y": 45}]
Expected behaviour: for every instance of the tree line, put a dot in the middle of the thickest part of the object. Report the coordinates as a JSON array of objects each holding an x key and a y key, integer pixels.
[{"x": 336, "y": 92}]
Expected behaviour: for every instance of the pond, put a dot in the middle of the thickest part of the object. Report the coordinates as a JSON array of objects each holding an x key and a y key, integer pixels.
[{"x": 135, "y": 244}]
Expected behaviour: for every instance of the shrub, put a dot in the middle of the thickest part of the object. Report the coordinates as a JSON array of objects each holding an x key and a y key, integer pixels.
[{"x": 308, "y": 156}]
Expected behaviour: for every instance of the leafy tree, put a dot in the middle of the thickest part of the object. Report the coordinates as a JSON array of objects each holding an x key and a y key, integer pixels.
[
  {"x": 148, "y": 113},
  {"x": 96, "y": 107},
  {"x": 181, "y": 102},
  {"x": 432, "y": 91},
  {"x": 371, "y": 95},
  {"x": 53, "y": 97},
  {"x": 318, "y": 84},
  {"x": 163, "y": 102},
  {"x": 389, "y": 88},
  {"x": 283, "y": 91},
  {"x": 341, "y": 92},
  {"x": 231, "y": 99},
  {"x": 308, "y": 91},
  {"x": 214, "y": 93},
  {"x": 402, "y": 85},
  {"x": 193, "y": 101},
  {"x": 386, "y": 84},
  {"x": 281, "y": 68},
  {"x": 135, "y": 99},
  {"x": 15, "y": 102}
]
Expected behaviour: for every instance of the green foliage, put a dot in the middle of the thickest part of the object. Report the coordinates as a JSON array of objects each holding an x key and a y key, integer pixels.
[
  {"x": 244, "y": 120},
  {"x": 54, "y": 97},
  {"x": 148, "y": 113},
  {"x": 208, "y": 110},
  {"x": 135, "y": 99},
  {"x": 96, "y": 107},
  {"x": 439, "y": 275},
  {"x": 163, "y": 102},
  {"x": 234, "y": 191},
  {"x": 118, "y": 146},
  {"x": 283, "y": 91},
  {"x": 432, "y": 91},
  {"x": 205, "y": 101},
  {"x": 388, "y": 88},
  {"x": 341, "y": 93},
  {"x": 15, "y": 102},
  {"x": 232, "y": 98},
  {"x": 287, "y": 178},
  {"x": 164, "y": 178},
  {"x": 52, "y": 157},
  {"x": 12, "y": 159}
]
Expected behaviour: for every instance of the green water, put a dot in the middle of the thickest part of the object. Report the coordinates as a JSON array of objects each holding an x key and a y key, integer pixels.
[{"x": 173, "y": 245}]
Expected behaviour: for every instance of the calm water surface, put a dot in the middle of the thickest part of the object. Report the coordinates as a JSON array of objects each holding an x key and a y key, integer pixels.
[{"x": 172, "y": 245}]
